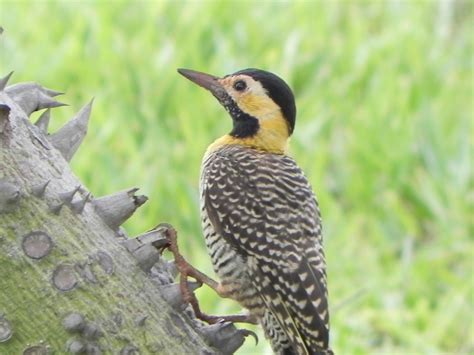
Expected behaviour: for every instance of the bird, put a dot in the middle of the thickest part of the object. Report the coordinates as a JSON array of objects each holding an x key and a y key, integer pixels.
[{"x": 260, "y": 217}]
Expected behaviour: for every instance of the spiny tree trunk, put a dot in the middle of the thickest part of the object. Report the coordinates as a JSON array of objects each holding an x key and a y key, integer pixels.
[{"x": 70, "y": 278}]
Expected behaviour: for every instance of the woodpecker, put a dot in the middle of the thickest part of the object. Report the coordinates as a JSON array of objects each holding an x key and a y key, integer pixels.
[{"x": 260, "y": 217}]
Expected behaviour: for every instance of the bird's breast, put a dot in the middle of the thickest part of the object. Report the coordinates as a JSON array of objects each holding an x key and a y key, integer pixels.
[{"x": 229, "y": 265}]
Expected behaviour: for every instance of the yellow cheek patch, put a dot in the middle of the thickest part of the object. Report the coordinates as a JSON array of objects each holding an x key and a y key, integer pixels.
[
  {"x": 272, "y": 135},
  {"x": 257, "y": 105},
  {"x": 273, "y": 126}
]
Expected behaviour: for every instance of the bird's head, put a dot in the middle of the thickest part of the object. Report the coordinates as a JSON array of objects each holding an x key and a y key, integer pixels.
[{"x": 261, "y": 105}]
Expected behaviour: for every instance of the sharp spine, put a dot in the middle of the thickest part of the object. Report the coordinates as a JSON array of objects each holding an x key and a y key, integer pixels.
[
  {"x": 4, "y": 81},
  {"x": 67, "y": 196},
  {"x": 9, "y": 196},
  {"x": 146, "y": 256},
  {"x": 39, "y": 190},
  {"x": 117, "y": 208},
  {"x": 78, "y": 206},
  {"x": 68, "y": 139},
  {"x": 52, "y": 93},
  {"x": 32, "y": 97},
  {"x": 43, "y": 121},
  {"x": 172, "y": 294},
  {"x": 56, "y": 208}
]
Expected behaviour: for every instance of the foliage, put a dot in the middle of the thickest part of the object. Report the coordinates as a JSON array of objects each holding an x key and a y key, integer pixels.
[{"x": 384, "y": 94}]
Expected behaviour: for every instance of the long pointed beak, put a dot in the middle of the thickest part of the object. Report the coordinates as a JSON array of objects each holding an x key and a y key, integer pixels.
[{"x": 207, "y": 81}]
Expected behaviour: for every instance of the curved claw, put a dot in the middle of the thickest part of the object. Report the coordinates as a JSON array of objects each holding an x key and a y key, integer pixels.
[{"x": 246, "y": 333}]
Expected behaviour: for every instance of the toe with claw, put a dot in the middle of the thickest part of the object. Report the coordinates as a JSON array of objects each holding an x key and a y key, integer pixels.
[{"x": 187, "y": 270}]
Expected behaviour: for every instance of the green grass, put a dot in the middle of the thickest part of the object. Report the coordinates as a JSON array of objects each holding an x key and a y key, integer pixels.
[{"x": 384, "y": 94}]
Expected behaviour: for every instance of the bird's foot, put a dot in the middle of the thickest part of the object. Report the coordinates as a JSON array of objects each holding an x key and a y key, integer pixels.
[
  {"x": 234, "y": 318},
  {"x": 187, "y": 270}
]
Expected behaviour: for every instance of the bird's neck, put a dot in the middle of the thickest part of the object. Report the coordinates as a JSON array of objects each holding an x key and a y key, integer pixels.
[{"x": 272, "y": 137}]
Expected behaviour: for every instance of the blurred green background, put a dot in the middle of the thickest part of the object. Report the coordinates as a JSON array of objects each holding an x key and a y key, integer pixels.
[{"x": 385, "y": 107}]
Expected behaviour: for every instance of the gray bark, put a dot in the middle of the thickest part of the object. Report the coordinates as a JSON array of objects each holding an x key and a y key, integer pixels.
[{"x": 70, "y": 278}]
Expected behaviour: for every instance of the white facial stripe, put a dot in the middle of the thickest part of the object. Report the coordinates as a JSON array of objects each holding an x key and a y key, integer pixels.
[
  {"x": 255, "y": 87},
  {"x": 252, "y": 86}
]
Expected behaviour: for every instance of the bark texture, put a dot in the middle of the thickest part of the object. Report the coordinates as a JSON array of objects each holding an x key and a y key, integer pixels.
[{"x": 70, "y": 278}]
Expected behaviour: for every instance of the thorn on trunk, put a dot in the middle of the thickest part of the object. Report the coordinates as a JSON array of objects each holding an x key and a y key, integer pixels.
[
  {"x": 9, "y": 196},
  {"x": 43, "y": 121},
  {"x": 172, "y": 293},
  {"x": 4, "y": 81},
  {"x": 131, "y": 244},
  {"x": 45, "y": 101},
  {"x": 140, "y": 320},
  {"x": 68, "y": 139},
  {"x": 146, "y": 256},
  {"x": 155, "y": 237},
  {"x": 32, "y": 97},
  {"x": 56, "y": 208},
  {"x": 52, "y": 93},
  {"x": 67, "y": 196},
  {"x": 39, "y": 190},
  {"x": 117, "y": 208},
  {"x": 225, "y": 336},
  {"x": 78, "y": 206}
]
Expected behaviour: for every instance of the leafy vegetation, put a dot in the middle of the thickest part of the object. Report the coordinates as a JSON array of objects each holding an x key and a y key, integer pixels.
[{"x": 385, "y": 108}]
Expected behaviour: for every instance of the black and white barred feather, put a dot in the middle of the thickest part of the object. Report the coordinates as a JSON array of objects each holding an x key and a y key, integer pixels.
[{"x": 262, "y": 227}]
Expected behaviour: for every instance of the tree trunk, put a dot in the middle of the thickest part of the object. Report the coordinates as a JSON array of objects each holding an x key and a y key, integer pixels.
[{"x": 70, "y": 278}]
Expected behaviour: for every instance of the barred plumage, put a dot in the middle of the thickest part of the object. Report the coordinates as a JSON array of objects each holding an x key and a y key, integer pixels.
[
  {"x": 260, "y": 218},
  {"x": 263, "y": 231}
]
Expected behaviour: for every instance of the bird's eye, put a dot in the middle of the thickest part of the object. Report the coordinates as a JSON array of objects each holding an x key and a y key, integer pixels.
[{"x": 240, "y": 85}]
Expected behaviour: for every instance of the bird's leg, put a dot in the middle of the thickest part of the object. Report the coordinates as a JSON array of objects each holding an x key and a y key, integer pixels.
[{"x": 185, "y": 269}]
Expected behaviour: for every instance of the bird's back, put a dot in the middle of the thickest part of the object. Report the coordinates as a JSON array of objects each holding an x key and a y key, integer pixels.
[{"x": 263, "y": 232}]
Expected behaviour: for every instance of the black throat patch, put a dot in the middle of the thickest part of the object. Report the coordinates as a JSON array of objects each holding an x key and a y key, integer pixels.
[
  {"x": 278, "y": 91},
  {"x": 245, "y": 125}
]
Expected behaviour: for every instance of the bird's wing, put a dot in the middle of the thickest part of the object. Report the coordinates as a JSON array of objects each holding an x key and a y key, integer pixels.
[{"x": 264, "y": 207}]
